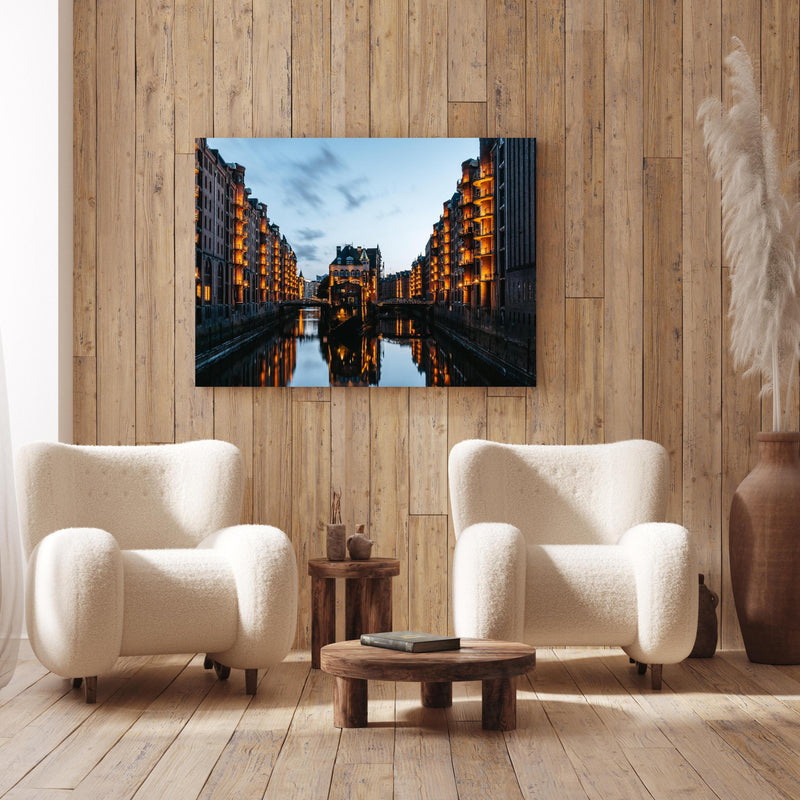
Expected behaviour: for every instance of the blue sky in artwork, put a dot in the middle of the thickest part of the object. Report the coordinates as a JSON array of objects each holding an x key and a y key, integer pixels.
[{"x": 328, "y": 192}]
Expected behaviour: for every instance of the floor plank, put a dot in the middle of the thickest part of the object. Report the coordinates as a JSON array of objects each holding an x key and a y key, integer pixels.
[{"x": 588, "y": 726}]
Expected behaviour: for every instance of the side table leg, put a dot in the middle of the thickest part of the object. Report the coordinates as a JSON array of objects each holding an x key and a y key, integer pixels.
[
  {"x": 436, "y": 694},
  {"x": 353, "y": 607},
  {"x": 499, "y": 712},
  {"x": 350, "y": 703},
  {"x": 377, "y": 605},
  {"x": 323, "y": 616}
]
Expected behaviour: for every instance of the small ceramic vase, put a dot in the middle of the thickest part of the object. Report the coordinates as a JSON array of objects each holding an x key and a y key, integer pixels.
[
  {"x": 360, "y": 547},
  {"x": 335, "y": 542}
]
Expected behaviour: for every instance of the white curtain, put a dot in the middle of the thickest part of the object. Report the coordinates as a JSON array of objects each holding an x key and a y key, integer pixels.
[{"x": 10, "y": 549}]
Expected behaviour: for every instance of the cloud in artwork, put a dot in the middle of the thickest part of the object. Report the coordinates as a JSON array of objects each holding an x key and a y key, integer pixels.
[
  {"x": 305, "y": 178},
  {"x": 306, "y": 252},
  {"x": 354, "y": 199},
  {"x": 309, "y": 234}
]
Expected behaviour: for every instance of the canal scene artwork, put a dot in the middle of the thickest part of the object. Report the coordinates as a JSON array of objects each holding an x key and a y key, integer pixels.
[{"x": 365, "y": 262}]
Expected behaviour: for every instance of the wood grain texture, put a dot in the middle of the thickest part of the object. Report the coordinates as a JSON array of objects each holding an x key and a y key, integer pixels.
[
  {"x": 84, "y": 177},
  {"x": 663, "y": 81},
  {"x": 466, "y": 51},
  {"x": 272, "y": 68},
  {"x": 584, "y": 53},
  {"x": 389, "y": 68},
  {"x": 427, "y": 435},
  {"x": 84, "y": 400},
  {"x": 702, "y": 312},
  {"x": 545, "y": 87},
  {"x": 428, "y": 579},
  {"x": 116, "y": 231},
  {"x": 506, "y": 75},
  {"x": 233, "y": 422},
  {"x": 233, "y": 67},
  {"x": 505, "y": 418},
  {"x": 350, "y": 68},
  {"x": 311, "y": 68},
  {"x": 663, "y": 318},
  {"x": 427, "y": 67},
  {"x": 623, "y": 222},
  {"x": 584, "y": 367},
  {"x": 193, "y": 48},
  {"x": 155, "y": 223},
  {"x": 466, "y": 119},
  {"x": 272, "y": 458}
]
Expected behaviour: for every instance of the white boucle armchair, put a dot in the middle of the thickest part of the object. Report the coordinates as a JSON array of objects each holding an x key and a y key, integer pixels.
[
  {"x": 563, "y": 545},
  {"x": 138, "y": 551}
]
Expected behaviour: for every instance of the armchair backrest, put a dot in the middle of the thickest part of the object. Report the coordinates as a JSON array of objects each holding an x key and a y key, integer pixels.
[
  {"x": 559, "y": 494},
  {"x": 154, "y": 496}
]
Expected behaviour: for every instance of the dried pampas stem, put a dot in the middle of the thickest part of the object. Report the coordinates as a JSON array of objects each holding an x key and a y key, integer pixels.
[{"x": 760, "y": 233}]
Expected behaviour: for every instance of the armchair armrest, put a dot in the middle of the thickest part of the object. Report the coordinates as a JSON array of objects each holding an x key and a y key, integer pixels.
[
  {"x": 74, "y": 601},
  {"x": 265, "y": 571},
  {"x": 665, "y": 569},
  {"x": 489, "y": 582}
]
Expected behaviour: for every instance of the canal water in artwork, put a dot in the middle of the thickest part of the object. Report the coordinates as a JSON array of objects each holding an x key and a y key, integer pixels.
[{"x": 395, "y": 350}]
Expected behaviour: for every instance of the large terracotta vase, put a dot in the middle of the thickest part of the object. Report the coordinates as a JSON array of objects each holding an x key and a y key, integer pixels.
[{"x": 765, "y": 551}]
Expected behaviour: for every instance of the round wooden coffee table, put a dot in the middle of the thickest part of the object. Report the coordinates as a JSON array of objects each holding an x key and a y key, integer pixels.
[{"x": 495, "y": 664}]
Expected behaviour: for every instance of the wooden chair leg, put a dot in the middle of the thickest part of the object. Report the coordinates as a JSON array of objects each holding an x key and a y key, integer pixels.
[
  {"x": 655, "y": 675},
  {"x": 223, "y": 672},
  {"x": 90, "y": 688},
  {"x": 641, "y": 668},
  {"x": 76, "y": 683},
  {"x": 208, "y": 662},
  {"x": 251, "y": 680}
]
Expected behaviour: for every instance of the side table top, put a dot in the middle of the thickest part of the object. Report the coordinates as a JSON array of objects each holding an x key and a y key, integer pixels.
[
  {"x": 370, "y": 568},
  {"x": 478, "y": 659}
]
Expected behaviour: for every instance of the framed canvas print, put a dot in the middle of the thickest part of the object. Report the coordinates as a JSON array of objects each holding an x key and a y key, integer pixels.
[{"x": 365, "y": 262}]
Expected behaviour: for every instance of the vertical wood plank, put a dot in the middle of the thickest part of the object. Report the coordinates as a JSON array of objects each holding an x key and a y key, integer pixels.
[
  {"x": 428, "y": 577},
  {"x": 584, "y": 148},
  {"x": 506, "y": 74},
  {"x": 545, "y": 99},
  {"x": 272, "y": 68},
  {"x": 701, "y": 294},
  {"x": 780, "y": 91},
  {"x": 311, "y": 68},
  {"x": 663, "y": 321},
  {"x": 505, "y": 419},
  {"x": 427, "y": 434},
  {"x": 741, "y": 421},
  {"x": 272, "y": 458},
  {"x": 350, "y": 68},
  {"x": 663, "y": 80},
  {"x": 84, "y": 400},
  {"x": 233, "y": 67},
  {"x": 233, "y": 422},
  {"x": 155, "y": 223},
  {"x": 466, "y": 119},
  {"x": 389, "y": 475},
  {"x": 466, "y": 51},
  {"x": 194, "y": 72},
  {"x": 466, "y": 419},
  {"x": 194, "y": 406},
  {"x": 311, "y": 481},
  {"x": 584, "y": 368},
  {"x": 388, "y": 68},
  {"x": 116, "y": 231},
  {"x": 84, "y": 177},
  {"x": 623, "y": 221},
  {"x": 427, "y": 67}
]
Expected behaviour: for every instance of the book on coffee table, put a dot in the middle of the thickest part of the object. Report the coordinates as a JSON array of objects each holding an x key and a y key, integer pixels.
[{"x": 411, "y": 641}]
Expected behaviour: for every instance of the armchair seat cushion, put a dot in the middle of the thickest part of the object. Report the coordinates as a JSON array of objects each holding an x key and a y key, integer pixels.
[
  {"x": 580, "y": 595},
  {"x": 177, "y": 601}
]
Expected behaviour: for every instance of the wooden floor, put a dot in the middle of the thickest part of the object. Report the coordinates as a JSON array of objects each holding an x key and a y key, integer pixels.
[{"x": 588, "y": 726}]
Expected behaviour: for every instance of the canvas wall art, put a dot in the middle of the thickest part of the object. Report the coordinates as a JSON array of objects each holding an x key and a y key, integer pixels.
[{"x": 365, "y": 262}]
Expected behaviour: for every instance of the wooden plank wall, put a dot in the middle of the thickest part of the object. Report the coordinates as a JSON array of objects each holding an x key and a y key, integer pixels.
[{"x": 632, "y": 285}]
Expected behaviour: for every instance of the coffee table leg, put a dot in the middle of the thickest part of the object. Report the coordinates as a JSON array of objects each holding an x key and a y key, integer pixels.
[
  {"x": 323, "y": 616},
  {"x": 499, "y": 704},
  {"x": 378, "y": 605},
  {"x": 436, "y": 694},
  {"x": 353, "y": 607},
  {"x": 350, "y": 703}
]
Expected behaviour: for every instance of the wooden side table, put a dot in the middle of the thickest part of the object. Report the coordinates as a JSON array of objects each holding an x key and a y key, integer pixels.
[{"x": 367, "y": 598}]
